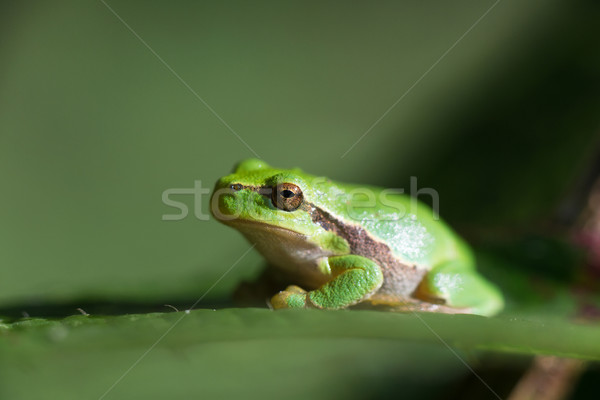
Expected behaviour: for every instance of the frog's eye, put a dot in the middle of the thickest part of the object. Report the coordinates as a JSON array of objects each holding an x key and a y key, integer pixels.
[{"x": 287, "y": 196}]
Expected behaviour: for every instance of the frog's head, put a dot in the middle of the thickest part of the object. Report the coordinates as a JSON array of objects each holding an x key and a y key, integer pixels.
[
  {"x": 280, "y": 211},
  {"x": 259, "y": 194}
]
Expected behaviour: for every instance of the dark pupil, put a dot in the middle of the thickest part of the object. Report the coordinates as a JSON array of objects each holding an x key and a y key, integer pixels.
[{"x": 287, "y": 194}]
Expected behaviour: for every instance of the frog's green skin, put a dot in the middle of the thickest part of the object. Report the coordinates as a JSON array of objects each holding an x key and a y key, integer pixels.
[{"x": 345, "y": 250}]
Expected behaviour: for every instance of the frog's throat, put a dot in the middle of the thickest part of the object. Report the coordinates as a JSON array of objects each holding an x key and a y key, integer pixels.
[{"x": 292, "y": 252}]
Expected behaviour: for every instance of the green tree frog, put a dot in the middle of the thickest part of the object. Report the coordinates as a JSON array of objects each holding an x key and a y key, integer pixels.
[{"x": 344, "y": 245}]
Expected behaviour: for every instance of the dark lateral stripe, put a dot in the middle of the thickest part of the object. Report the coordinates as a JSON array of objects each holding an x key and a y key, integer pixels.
[
  {"x": 323, "y": 218},
  {"x": 262, "y": 190},
  {"x": 360, "y": 241}
]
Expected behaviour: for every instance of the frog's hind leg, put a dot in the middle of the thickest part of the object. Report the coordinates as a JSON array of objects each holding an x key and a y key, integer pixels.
[
  {"x": 400, "y": 304},
  {"x": 461, "y": 287}
]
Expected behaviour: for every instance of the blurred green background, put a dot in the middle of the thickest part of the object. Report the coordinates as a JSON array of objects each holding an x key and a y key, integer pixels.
[{"x": 498, "y": 111}]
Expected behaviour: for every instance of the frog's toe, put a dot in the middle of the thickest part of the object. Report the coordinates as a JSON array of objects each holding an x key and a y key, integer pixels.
[
  {"x": 294, "y": 289},
  {"x": 291, "y": 297}
]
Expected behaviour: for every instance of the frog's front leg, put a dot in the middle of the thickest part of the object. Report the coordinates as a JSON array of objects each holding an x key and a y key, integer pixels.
[{"x": 355, "y": 278}]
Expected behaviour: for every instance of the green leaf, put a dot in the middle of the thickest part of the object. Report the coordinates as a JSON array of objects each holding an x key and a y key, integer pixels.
[{"x": 233, "y": 350}]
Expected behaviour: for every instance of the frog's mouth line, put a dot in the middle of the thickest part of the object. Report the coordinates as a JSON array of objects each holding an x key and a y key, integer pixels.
[{"x": 237, "y": 222}]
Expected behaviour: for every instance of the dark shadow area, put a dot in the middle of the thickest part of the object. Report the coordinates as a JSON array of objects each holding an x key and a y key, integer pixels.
[
  {"x": 99, "y": 307},
  {"x": 587, "y": 388},
  {"x": 485, "y": 382},
  {"x": 518, "y": 146}
]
